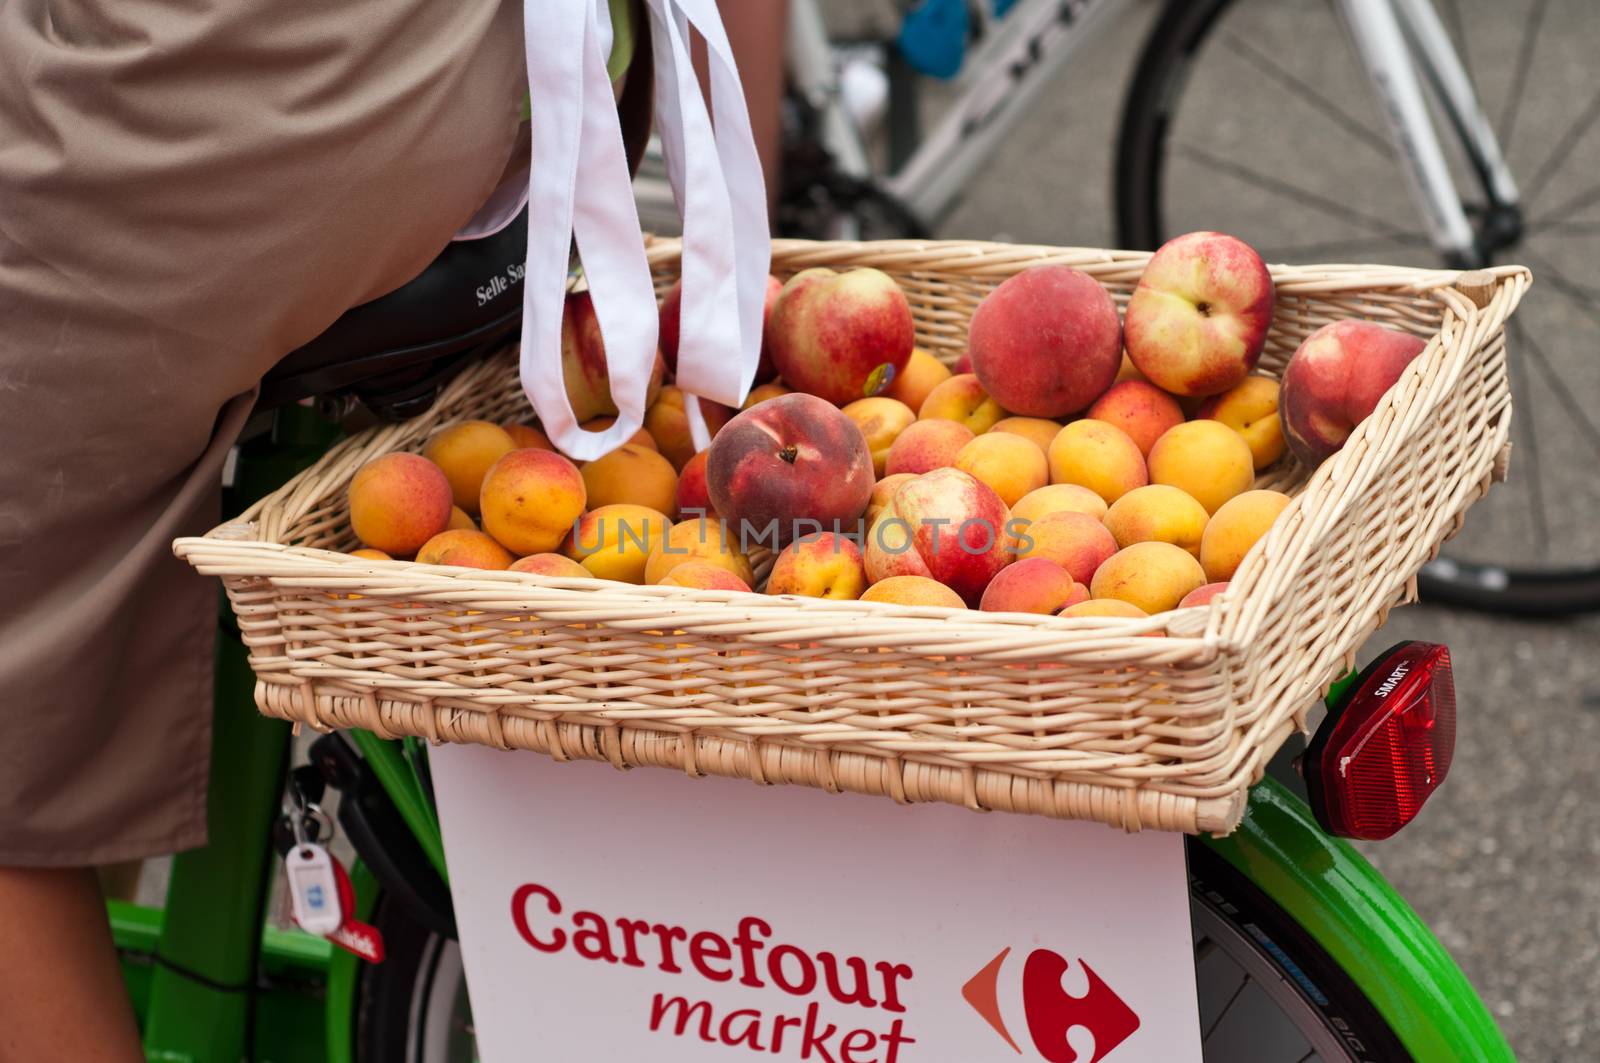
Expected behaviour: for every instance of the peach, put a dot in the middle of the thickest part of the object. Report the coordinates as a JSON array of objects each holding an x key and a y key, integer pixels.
[
  {"x": 761, "y": 393},
  {"x": 1207, "y": 459},
  {"x": 792, "y": 460},
  {"x": 550, "y": 565},
  {"x": 1238, "y": 524},
  {"x": 583, "y": 362},
  {"x": 1046, "y": 341},
  {"x": 631, "y": 474},
  {"x": 642, "y": 437},
  {"x": 841, "y": 336},
  {"x": 464, "y": 549},
  {"x": 668, "y": 423},
  {"x": 925, "y": 446},
  {"x": 1035, "y": 430},
  {"x": 464, "y": 453},
  {"x": 913, "y": 384},
  {"x": 702, "y": 575},
  {"x": 1105, "y": 607},
  {"x": 1334, "y": 380},
  {"x": 1056, "y": 498},
  {"x": 1196, "y": 323},
  {"x": 1250, "y": 408},
  {"x": 882, "y": 492},
  {"x": 1157, "y": 513},
  {"x": 819, "y": 566},
  {"x": 963, "y": 400},
  {"x": 1141, "y": 410},
  {"x": 945, "y": 525},
  {"x": 1202, "y": 595},
  {"x": 1153, "y": 576},
  {"x": 459, "y": 521},
  {"x": 671, "y": 307},
  {"x": 530, "y": 499},
  {"x": 614, "y": 541},
  {"x": 1098, "y": 456},
  {"x": 1010, "y": 464},
  {"x": 1077, "y": 542},
  {"x": 1032, "y": 585},
  {"x": 692, "y": 499},
  {"x": 881, "y": 421},
  {"x": 524, "y": 436},
  {"x": 398, "y": 502},
  {"x": 699, "y": 540},
  {"x": 913, "y": 590},
  {"x": 367, "y": 554}
]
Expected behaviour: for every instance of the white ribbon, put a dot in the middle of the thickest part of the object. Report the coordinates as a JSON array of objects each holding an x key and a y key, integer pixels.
[{"x": 580, "y": 186}]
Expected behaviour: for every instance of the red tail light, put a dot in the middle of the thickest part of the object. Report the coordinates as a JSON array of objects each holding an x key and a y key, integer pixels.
[{"x": 1387, "y": 746}]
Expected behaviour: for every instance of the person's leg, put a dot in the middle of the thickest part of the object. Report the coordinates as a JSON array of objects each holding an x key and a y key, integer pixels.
[
  {"x": 756, "y": 34},
  {"x": 60, "y": 982}
]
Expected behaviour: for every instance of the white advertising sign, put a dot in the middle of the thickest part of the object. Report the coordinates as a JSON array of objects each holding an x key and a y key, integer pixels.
[{"x": 649, "y": 916}]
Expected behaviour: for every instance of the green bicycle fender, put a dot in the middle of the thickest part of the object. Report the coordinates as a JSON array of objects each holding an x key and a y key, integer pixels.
[
  {"x": 344, "y": 970},
  {"x": 1364, "y": 925},
  {"x": 399, "y": 780}
]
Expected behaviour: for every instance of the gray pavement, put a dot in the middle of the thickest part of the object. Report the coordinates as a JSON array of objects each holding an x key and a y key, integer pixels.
[{"x": 1504, "y": 863}]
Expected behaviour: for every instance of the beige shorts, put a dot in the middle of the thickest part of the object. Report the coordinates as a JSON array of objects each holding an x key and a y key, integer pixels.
[{"x": 185, "y": 196}]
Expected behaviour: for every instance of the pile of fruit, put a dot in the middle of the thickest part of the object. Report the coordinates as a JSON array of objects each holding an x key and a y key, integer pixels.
[{"x": 1075, "y": 462}]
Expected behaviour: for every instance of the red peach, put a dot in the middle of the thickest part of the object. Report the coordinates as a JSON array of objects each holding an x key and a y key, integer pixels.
[
  {"x": 693, "y": 499},
  {"x": 671, "y": 307},
  {"x": 1046, "y": 341},
  {"x": 1334, "y": 381},
  {"x": 841, "y": 336},
  {"x": 583, "y": 361}
]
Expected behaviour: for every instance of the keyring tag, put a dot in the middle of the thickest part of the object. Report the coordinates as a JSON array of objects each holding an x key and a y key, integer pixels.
[{"x": 313, "y": 889}]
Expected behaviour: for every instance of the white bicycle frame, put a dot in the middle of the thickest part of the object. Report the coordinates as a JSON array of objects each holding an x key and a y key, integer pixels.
[{"x": 1023, "y": 53}]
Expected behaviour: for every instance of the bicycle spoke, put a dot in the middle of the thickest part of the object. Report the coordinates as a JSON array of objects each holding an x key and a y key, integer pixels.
[
  {"x": 1530, "y": 440},
  {"x": 1519, "y": 76},
  {"x": 1352, "y": 125},
  {"x": 1555, "y": 216},
  {"x": 1224, "y": 1012},
  {"x": 1564, "y": 145},
  {"x": 1294, "y": 193},
  {"x": 1567, "y": 231},
  {"x": 1301, "y": 252},
  {"x": 1562, "y": 392}
]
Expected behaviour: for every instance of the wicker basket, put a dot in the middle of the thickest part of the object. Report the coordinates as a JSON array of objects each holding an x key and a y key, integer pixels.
[{"x": 1082, "y": 718}]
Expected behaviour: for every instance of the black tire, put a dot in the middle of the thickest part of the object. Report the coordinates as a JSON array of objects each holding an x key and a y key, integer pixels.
[
  {"x": 1322, "y": 1002},
  {"x": 391, "y": 1000},
  {"x": 1176, "y": 39}
]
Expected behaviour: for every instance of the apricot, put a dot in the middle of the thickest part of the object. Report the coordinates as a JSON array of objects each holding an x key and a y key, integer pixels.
[
  {"x": 464, "y": 549},
  {"x": 963, "y": 400},
  {"x": 1057, "y": 498},
  {"x": 913, "y": 590},
  {"x": 527, "y": 435},
  {"x": 1202, "y": 595},
  {"x": 702, "y": 575},
  {"x": 668, "y": 424},
  {"x": 882, "y": 492},
  {"x": 1157, "y": 513},
  {"x": 642, "y": 437},
  {"x": 367, "y": 554},
  {"x": 464, "y": 453},
  {"x": 1075, "y": 541},
  {"x": 1153, "y": 576},
  {"x": 1141, "y": 410},
  {"x": 763, "y": 392},
  {"x": 1238, "y": 524},
  {"x": 925, "y": 446},
  {"x": 1207, "y": 459},
  {"x": 822, "y": 566},
  {"x": 614, "y": 541},
  {"x": 1105, "y": 607},
  {"x": 550, "y": 565},
  {"x": 881, "y": 421},
  {"x": 693, "y": 499},
  {"x": 398, "y": 502},
  {"x": 1037, "y": 430},
  {"x": 1098, "y": 456},
  {"x": 699, "y": 540},
  {"x": 530, "y": 499},
  {"x": 633, "y": 475},
  {"x": 1032, "y": 585},
  {"x": 1250, "y": 408},
  {"x": 1010, "y": 464},
  {"x": 913, "y": 384},
  {"x": 459, "y": 521}
]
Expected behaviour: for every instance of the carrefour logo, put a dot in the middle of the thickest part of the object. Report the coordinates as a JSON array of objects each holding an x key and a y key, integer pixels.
[{"x": 1050, "y": 1010}]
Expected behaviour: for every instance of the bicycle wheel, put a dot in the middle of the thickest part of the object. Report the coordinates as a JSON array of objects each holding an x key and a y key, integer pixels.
[
  {"x": 413, "y": 1007},
  {"x": 1254, "y": 117}
]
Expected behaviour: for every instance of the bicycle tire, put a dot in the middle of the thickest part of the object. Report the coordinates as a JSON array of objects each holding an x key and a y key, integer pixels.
[
  {"x": 1176, "y": 37},
  {"x": 1299, "y": 980}
]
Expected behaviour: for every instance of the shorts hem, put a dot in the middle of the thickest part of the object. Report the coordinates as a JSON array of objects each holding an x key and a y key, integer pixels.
[{"x": 190, "y": 837}]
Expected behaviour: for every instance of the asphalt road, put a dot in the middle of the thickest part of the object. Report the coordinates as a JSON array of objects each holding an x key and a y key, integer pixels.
[{"x": 1504, "y": 863}]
